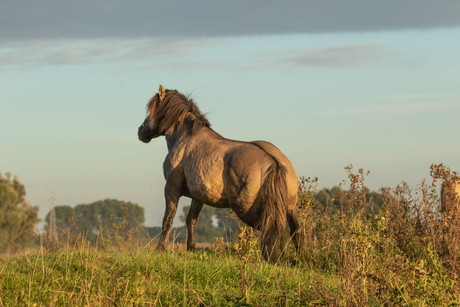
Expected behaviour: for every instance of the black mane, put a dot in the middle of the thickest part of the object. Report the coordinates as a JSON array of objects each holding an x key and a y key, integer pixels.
[{"x": 174, "y": 109}]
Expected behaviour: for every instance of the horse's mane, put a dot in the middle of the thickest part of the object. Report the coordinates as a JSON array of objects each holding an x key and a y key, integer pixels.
[{"x": 175, "y": 109}]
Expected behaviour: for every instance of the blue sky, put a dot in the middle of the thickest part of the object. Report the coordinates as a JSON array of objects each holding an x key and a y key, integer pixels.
[{"x": 326, "y": 84}]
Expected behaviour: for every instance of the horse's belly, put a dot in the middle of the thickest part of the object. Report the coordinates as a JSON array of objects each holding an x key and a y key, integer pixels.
[
  {"x": 209, "y": 194},
  {"x": 207, "y": 187}
]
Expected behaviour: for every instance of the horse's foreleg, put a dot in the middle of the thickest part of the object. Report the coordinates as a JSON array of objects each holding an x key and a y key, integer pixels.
[
  {"x": 192, "y": 216},
  {"x": 172, "y": 199}
]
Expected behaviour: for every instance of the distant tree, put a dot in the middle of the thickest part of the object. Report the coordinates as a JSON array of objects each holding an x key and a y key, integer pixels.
[
  {"x": 226, "y": 220},
  {"x": 17, "y": 216},
  {"x": 336, "y": 200},
  {"x": 210, "y": 224},
  {"x": 63, "y": 215},
  {"x": 85, "y": 217}
]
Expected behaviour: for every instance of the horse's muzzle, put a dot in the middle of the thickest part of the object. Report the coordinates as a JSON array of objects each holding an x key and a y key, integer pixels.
[{"x": 146, "y": 134}]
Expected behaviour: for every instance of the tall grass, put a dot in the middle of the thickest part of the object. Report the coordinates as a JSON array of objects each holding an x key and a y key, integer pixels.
[
  {"x": 84, "y": 276},
  {"x": 406, "y": 254}
]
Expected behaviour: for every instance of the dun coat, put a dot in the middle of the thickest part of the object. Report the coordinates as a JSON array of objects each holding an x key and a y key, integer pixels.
[{"x": 254, "y": 179}]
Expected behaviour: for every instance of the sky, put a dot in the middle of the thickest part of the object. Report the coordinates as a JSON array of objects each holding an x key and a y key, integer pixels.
[{"x": 331, "y": 83}]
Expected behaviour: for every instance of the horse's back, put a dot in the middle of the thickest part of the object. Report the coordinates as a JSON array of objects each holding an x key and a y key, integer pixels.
[{"x": 277, "y": 154}]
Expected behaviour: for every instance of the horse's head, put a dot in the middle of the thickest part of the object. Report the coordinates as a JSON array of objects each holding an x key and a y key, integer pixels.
[
  {"x": 170, "y": 111},
  {"x": 145, "y": 133},
  {"x": 150, "y": 128}
]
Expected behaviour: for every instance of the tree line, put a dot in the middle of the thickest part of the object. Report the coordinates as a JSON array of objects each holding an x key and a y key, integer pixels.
[
  {"x": 18, "y": 218},
  {"x": 87, "y": 219},
  {"x": 337, "y": 200}
]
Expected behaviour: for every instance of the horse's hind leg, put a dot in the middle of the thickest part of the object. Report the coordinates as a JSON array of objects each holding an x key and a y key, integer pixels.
[
  {"x": 294, "y": 227},
  {"x": 192, "y": 216}
]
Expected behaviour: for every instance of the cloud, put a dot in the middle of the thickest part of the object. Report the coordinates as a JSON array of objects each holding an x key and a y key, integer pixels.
[
  {"x": 31, "y": 53},
  {"x": 401, "y": 109},
  {"x": 149, "y": 53},
  {"x": 51, "y": 19},
  {"x": 333, "y": 56},
  {"x": 353, "y": 55},
  {"x": 421, "y": 96}
]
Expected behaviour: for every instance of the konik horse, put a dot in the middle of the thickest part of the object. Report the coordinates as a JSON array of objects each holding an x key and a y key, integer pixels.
[{"x": 254, "y": 179}]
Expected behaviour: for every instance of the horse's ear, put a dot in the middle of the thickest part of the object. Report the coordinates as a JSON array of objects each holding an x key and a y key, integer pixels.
[{"x": 161, "y": 92}]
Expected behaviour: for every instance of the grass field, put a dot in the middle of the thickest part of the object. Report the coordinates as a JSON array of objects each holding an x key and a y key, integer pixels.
[
  {"x": 407, "y": 254},
  {"x": 207, "y": 277}
]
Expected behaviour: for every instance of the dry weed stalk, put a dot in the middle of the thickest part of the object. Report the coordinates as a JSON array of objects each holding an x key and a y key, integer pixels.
[{"x": 404, "y": 249}]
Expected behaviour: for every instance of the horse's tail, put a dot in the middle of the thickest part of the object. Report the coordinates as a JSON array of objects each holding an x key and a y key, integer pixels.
[{"x": 272, "y": 221}]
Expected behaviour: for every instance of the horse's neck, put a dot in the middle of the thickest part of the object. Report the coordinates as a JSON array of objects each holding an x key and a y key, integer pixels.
[
  {"x": 178, "y": 134},
  {"x": 175, "y": 133},
  {"x": 183, "y": 135},
  {"x": 172, "y": 139}
]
